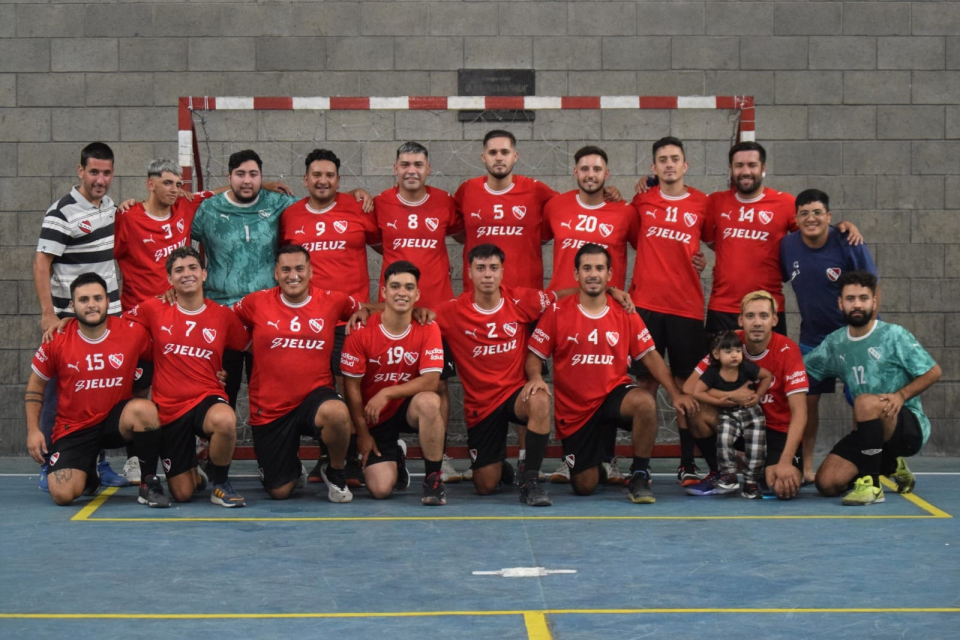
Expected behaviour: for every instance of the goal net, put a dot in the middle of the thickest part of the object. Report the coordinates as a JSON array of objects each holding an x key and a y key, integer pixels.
[{"x": 365, "y": 132}]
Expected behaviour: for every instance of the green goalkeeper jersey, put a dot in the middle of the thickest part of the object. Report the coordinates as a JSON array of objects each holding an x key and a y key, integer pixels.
[
  {"x": 883, "y": 361},
  {"x": 240, "y": 242}
]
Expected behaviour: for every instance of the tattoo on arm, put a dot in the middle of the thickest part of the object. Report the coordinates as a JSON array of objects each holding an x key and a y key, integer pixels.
[
  {"x": 28, "y": 400},
  {"x": 34, "y": 393}
]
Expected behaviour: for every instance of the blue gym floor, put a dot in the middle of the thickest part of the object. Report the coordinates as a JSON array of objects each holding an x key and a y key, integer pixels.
[{"x": 707, "y": 567}]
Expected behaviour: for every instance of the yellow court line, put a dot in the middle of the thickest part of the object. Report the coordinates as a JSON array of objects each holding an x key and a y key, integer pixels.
[
  {"x": 920, "y": 502},
  {"x": 536, "y": 624},
  {"x": 523, "y": 518},
  {"x": 87, "y": 511}
]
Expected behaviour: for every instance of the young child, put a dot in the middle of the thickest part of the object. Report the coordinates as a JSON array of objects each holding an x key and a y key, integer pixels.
[{"x": 728, "y": 372}]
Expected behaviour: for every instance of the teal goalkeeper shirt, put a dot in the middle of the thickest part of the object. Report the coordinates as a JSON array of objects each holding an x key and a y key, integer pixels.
[
  {"x": 240, "y": 242},
  {"x": 884, "y": 361}
]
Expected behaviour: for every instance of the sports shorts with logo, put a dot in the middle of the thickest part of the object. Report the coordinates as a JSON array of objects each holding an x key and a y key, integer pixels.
[
  {"x": 80, "y": 449},
  {"x": 178, "y": 445},
  {"x": 682, "y": 339},
  {"x": 588, "y": 446},
  {"x": 386, "y": 434},
  {"x": 776, "y": 442},
  {"x": 487, "y": 440},
  {"x": 906, "y": 441}
]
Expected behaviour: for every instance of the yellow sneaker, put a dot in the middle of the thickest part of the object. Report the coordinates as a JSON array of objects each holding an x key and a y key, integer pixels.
[
  {"x": 903, "y": 477},
  {"x": 863, "y": 493}
]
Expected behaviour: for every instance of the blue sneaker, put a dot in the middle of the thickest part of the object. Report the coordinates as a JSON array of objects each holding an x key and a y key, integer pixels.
[
  {"x": 225, "y": 496},
  {"x": 109, "y": 477},
  {"x": 43, "y": 478}
]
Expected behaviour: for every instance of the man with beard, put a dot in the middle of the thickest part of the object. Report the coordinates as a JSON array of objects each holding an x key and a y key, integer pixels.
[{"x": 886, "y": 370}]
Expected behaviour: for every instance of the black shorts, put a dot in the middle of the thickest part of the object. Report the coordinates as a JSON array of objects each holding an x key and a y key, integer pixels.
[
  {"x": 178, "y": 445},
  {"x": 339, "y": 337},
  {"x": 776, "y": 441},
  {"x": 718, "y": 321},
  {"x": 386, "y": 434},
  {"x": 145, "y": 377},
  {"x": 449, "y": 368},
  {"x": 487, "y": 440},
  {"x": 906, "y": 441},
  {"x": 80, "y": 449},
  {"x": 682, "y": 339},
  {"x": 277, "y": 443},
  {"x": 590, "y": 445}
]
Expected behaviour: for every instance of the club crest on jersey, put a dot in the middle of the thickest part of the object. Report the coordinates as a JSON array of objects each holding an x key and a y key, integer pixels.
[
  {"x": 264, "y": 213},
  {"x": 115, "y": 360},
  {"x": 519, "y": 212},
  {"x": 613, "y": 338},
  {"x": 689, "y": 219},
  {"x": 209, "y": 335},
  {"x": 166, "y": 464},
  {"x": 473, "y": 455},
  {"x": 605, "y": 229},
  {"x": 85, "y": 226},
  {"x": 410, "y": 357},
  {"x": 766, "y": 217},
  {"x": 180, "y": 226},
  {"x": 316, "y": 324},
  {"x": 833, "y": 273},
  {"x": 54, "y": 458},
  {"x": 875, "y": 353},
  {"x": 340, "y": 226},
  {"x": 432, "y": 223},
  {"x": 137, "y": 373},
  {"x": 510, "y": 328},
  {"x": 570, "y": 459}
]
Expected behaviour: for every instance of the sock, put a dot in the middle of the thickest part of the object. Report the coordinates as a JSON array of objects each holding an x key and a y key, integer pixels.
[
  {"x": 337, "y": 477},
  {"x": 536, "y": 446},
  {"x": 218, "y": 474},
  {"x": 146, "y": 446},
  {"x": 708, "y": 447},
  {"x": 871, "y": 446},
  {"x": 432, "y": 466},
  {"x": 131, "y": 451},
  {"x": 686, "y": 448},
  {"x": 521, "y": 455},
  {"x": 352, "y": 448},
  {"x": 640, "y": 464},
  {"x": 102, "y": 458}
]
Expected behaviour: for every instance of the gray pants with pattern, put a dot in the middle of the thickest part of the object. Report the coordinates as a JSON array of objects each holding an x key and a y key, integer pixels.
[{"x": 749, "y": 423}]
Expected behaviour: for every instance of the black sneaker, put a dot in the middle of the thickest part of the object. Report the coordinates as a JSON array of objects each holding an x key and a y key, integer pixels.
[
  {"x": 639, "y": 488},
  {"x": 92, "y": 486},
  {"x": 403, "y": 476},
  {"x": 151, "y": 493},
  {"x": 531, "y": 492},
  {"x": 751, "y": 491},
  {"x": 507, "y": 474},
  {"x": 433, "y": 493}
]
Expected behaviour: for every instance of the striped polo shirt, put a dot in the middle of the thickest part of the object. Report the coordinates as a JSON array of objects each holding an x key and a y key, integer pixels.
[{"x": 80, "y": 237}]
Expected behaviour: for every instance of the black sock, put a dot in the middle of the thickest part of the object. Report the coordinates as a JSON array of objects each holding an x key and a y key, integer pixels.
[
  {"x": 431, "y": 466},
  {"x": 871, "y": 446},
  {"x": 536, "y": 446},
  {"x": 218, "y": 474},
  {"x": 708, "y": 448},
  {"x": 337, "y": 476},
  {"x": 146, "y": 446},
  {"x": 686, "y": 448},
  {"x": 131, "y": 451},
  {"x": 888, "y": 463},
  {"x": 640, "y": 464},
  {"x": 352, "y": 448}
]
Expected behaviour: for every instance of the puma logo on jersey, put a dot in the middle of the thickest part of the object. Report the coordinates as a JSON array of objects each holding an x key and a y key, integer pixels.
[
  {"x": 392, "y": 224},
  {"x": 74, "y": 366},
  {"x": 474, "y": 214},
  {"x": 376, "y": 360},
  {"x": 565, "y": 224},
  {"x": 149, "y": 239},
  {"x": 300, "y": 232},
  {"x": 167, "y": 329},
  {"x": 652, "y": 214},
  {"x": 573, "y": 338},
  {"x": 471, "y": 332},
  {"x": 725, "y": 215},
  {"x": 786, "y": 347},
  {"x": 274, "y": 324}
]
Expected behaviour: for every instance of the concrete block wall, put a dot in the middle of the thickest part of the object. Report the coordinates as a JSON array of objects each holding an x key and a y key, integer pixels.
[{"x": 861, "y": 99}]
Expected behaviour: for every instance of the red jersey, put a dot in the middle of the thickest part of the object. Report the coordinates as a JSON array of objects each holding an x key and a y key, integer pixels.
[
  {"x": 187, "y": 351},
  {"x": 291, "y": 345},
  {"x": 488, "y": 345},
  {"x": 143, "y": 242},
  {"x": 416, "y": 232},
  {"x": 664, "y": 278},
  {"x": 746, "y": 236},
  {"x": 92, "y": 375},
  {"x": 591, "y": 355},
  {"x": 385, "y": 360},
  {"x": 509, "y": 219},
  {"x": 572, "y": 224},
  {"x": 337, "y": 239},
  {"x": 782, "y": 358}
]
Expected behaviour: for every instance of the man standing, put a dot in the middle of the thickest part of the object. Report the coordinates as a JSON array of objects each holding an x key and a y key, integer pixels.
[
  {"x": 886, "y": 370},
  {"x": 812, "y": 259},
  {"x": 592, "y": 341}
]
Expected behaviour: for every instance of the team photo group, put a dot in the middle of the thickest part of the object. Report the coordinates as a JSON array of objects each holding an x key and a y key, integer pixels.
[{"x": 155, "y": 311}]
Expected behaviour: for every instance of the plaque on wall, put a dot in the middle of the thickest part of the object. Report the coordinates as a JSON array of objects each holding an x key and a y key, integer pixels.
[{"x": 496, "y": 82}]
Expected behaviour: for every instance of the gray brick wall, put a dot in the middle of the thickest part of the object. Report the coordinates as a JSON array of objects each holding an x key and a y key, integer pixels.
[{"x": 858, "y": 98}]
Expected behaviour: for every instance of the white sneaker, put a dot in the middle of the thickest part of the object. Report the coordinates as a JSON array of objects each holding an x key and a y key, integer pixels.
[
  {"x": 334, "y": 493},
  {"x": 302, "y": 480},
  {"x": 202, "y": 480},
  {"x": 448, "y": 474},
  {"x": 561, "y": 475},
  {"x": 467, "y": 475},
  {"x": 614, "y": 476},
  {"x": 131, "y": 470}
]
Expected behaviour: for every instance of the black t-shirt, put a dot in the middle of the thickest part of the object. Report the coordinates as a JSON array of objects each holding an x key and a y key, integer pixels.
[{"x": 747, "y": 372}]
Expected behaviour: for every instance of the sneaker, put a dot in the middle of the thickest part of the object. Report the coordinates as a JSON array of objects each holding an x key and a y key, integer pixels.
[
  {"x": 507, "y": 474},
  {"x": 151, "y": 493},
  {"x": 712, "y": 485},
  {"x": 531, "y": 493},
  {"x": 336, "y": 493},
  {"x": 468, "y": 475},
  {"x": 314, "y": 475},
  {"x": 354, "y": 473},
  {"x": 522, "y": 466},
  {"x": 403, "y": 476},
  {"x": 433, "y": 493},
  {"x": 225, "y": 496},
  {"x": 202, "y": 480},
  {"x": 131, "y": 470},
  {"x": 903, "y": 477},
  {"x": 43, "y": 478},
  {"x": 728, "y": 483},
  {"x": 447, "y": 472},
  {"x": 109, "y": 477},
  {"x": 639, "y": 488},
  {"x": 561, "y": 475},
  {"x": 751, "y": 491},
  {"x": 864, "y": 492},
  {"x": 688, "y": 474},
  {"x": 611, "y": 474},
  {"x": 302, "y": 480}
]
